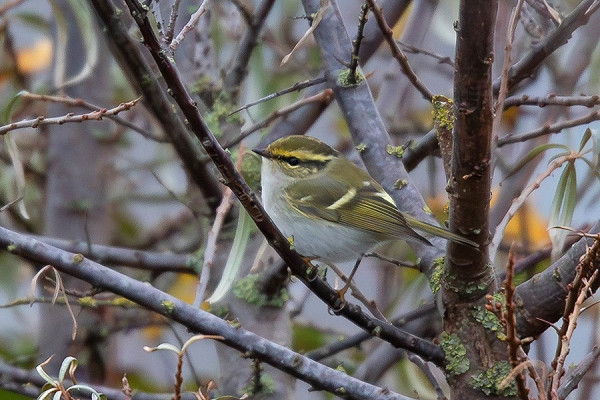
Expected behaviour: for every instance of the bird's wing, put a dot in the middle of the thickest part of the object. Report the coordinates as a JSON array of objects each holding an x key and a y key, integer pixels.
[{"x": 360, "y": 204}]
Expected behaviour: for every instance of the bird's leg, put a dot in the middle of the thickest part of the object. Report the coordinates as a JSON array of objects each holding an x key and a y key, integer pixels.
[
  {"x": 342, "y": 291},
  {"x": 312, "y": 271}
]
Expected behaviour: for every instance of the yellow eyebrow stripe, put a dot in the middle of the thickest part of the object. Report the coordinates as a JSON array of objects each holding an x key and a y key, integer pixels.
[{"x": 343, "y": 200}]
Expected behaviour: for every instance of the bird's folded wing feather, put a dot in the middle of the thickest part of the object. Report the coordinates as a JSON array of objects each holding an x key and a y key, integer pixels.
[{"x": 361, "y": 206}]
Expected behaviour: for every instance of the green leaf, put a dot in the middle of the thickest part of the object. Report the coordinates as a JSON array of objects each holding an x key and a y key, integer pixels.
[
  {"x": 34, "y": 20},
  {"x": 558, "y": 199},
  {"x": 195, "y": 338},
  {"x": 83, "y": 18},
  {"x": 571, "y": 196},
  {"x": 44, "y": 375},
  {"x": 69, "y": 365},
  {"x": 593, "y": 167},
  {"x": 5, "y": 118},
  {"x": 46, "y": 393},
  {"x": 163, "y": 346},
  {"x": 563, "y": 206},
  {"x": 17, "y": 164},
  {"x": 534, "y": 153},
  {"x": 595, "y": 148},
  {"x": 85, "y": 388},
  {"x": 235, "y": 258},
  {"x": 586, "y": 136}
]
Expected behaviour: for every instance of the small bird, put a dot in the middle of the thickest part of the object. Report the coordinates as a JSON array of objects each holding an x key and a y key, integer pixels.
[{"x": 331, "y": 208}]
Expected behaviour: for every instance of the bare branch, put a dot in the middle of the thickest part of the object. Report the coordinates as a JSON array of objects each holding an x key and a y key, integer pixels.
[
  {"x": 92, "y": 116},
  {"x": 193, "y": 318},
  {"x": 574, "y": 376},
  {"x": 552, "y": 100},
  {"x": 188, "y": 26},
  {"x": 397, "y": 53},
  {"x": 548, "y": 129},
  {"x": 558, "y": 37}
]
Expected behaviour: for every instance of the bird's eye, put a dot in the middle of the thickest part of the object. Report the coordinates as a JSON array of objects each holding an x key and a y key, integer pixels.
[{"x": 293, "y": 161}]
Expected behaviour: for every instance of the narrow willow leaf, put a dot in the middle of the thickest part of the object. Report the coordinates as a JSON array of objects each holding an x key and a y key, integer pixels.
[
  {"x": 558, "y": 199},
  {"x": 586, "y": 137},
  {"x": 84, "y": 388},
  {"x": 534, "y": 153},
  {"x": 570, "y": 198},
  {"x": 235, "y": 258},
  {"x": 563, "y": 208},
  {"x": 40, "y": 370},
  {"x": 34, "y": 20},
  {"x": 554, "y": 157},
  {"x": 163, "y": 346},
  {"x": 84, "y": 18},
  {"x": 595, "y": 148},
  {"x": 195, "y": 338},
  {"x": 69, "y": 365},
  {"x": 45, "y": 394},
  {"x": 10, "y": 107},
  {"x": 593, "y": 167}
]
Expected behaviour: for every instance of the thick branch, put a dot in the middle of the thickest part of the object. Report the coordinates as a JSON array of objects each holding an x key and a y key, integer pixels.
[
  {"x": 193, "y": 318},
  {"x": 469, "y": 185},
  {"x": 155, "y": 262},
  {"x": 541, "y": 300}
]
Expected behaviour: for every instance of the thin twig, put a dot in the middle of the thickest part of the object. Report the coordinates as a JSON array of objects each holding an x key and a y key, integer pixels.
[
  {"x": 8, "y": 5},
  {"x": 499, "y": 106},
  {"x": 423, "y": 366},
  {"x": 575, "y": 375},
  {"x": 416, "y": 50},
  {"x": 524, "y": 68},
  {"x": 519, "y": 201},
  {"x": 565, "y": 340},
  {"x": 246, "y": 14},
  {"x": 397, "y": 263},
  {"x": 211, "y": 246},
  {"x": 358, "y": 294},
  {"x": 296, "y": 88},
  {"x": 239, "y": 65},
  {"x": 323, "y": 97},
  {"x": 94, "y": 115},
  {"x": 362, "y": 20},
  {"x": 189, "y": 26},
  {"x": 552, "y": 100},
  {"x": 509, "y": 317},
  {"x": 548, "y": 129},
  {"x": 397, "y": 53},
  {"x": 355, "y": 340},
  {"x": 172, "y": 19}
]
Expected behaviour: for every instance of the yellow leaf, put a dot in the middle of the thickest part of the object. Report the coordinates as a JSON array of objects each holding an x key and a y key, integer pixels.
[{"x": 36, "y": 57}]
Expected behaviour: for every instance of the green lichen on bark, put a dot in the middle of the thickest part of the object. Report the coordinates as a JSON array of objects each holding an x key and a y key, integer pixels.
[
  {"x": 455, "y": 354},
  {"x": 247, "y": 289},
  {"x": 489, "y": 381},
  {"x": 436, "y": 277}
]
